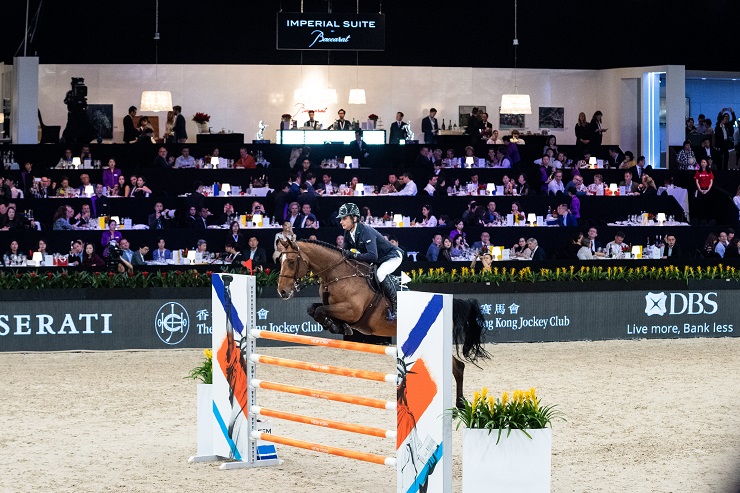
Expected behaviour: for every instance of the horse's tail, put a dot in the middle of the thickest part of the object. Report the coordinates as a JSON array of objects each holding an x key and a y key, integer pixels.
[{"x": 468, "y": 329}]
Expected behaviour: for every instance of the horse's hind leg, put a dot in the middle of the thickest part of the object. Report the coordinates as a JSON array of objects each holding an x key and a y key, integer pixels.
[
  {"x": 458, "y": 368},
  {"x": 312, "y": 310},
  {"x": 334, "y": 326}
]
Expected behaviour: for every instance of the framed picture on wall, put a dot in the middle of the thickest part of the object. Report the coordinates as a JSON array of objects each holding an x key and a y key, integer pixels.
[
  {"x": 101, "y": 118},
  {"x": 551, "y": 117},
  {"x": 464, "y": 114},
  {"x": 507, "y": 121}
]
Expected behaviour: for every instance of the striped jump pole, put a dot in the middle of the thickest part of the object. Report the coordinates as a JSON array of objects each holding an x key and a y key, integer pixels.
[
  {"x": 324, "y": 342},
  {"x": 321, "y": 368},
  {"x": 326, "y": 423},
  {"x": 324, "y": 394}
]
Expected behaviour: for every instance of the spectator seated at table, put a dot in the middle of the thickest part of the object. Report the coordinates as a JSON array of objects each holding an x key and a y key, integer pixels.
[
  {"x": 256, "y": 254},
  {"x": 647, "y": 187},
  {"x": 141, "y": 190},
  {"x": 449, "y": 160},
  {"x": 126, "y": 253},
  {"x": 409, "y": 187},
  {"x": 518, "y": 214},
  {"x": 234, "y": 254},
  {"x": 556, "y": 186},
  {"x": 459, "y": 246},
  {"x": 445, "y": 251},
  {"x": 490, "y": 217},
  {"x": 469, "y": 217},
  {"x": 615, "y": 157},
  {"x": 163, "y": 161},
  {"x": 584, "y": 252},
  {"x": 520, "y": 249},
  {"x": 161, "y": 254},
  {"x": 245, "y": 160},
  {"x": 161, "y": 218},
  {"x": 672, "y": 249},
  {"x": 62, "y": 217},
  {"x": 305, "y": 212},
  {"x": 423, "y": 162},
  {"x": 722, "y": 244},
  {"x": 427, "y": 218},
  {"x": 431, "y": 188},
  {"x": 617, "y": 247},
  {"x": 111, "y": 234},
  {"x": 433, "y": 249},
  {"x": 538, "y": 253},
  {"x": 201, "y": 221},
  {"x": 326, "y": 187},
  {"x": 631, "y": 188},
  {"x": 508, "y": 185},
  {"x": 138, "y": 258},
  {"x": 83, "y": 219},
  {"x": 12, "y": 221},
  {"x": 185, "y": 160},
  {"x": 597, "y": 248},
  {"x": 459, "y": 225},
  {"x": 484, "y": 243},
  {"x": 90, "y": 258},
  {"x": 597, "y": 187},
  {"x": 64, "y": 190},
  {"x": 565, "y": 218},
  {"x": 576, "y": 186},
  {"x": 392, "y": 186}
]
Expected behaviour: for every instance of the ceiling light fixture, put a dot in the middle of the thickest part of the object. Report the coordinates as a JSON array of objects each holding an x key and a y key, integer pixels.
[
  {"x": 515, "y": 104},
  {"x": 155, "y": 101}
]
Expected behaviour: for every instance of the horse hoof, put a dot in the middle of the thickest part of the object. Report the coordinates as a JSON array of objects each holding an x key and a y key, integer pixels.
[{"x": 348, "y": 330}]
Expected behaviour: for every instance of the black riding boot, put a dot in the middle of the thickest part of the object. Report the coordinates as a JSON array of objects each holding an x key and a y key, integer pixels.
[{"x": 389, "y": 287}]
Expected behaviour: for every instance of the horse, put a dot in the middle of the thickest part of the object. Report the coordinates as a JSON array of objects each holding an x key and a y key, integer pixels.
[{"x": 351, "y": 300}]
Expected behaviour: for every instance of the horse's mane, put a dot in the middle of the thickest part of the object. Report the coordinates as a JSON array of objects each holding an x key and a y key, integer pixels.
[{"x": 323, "y": 244}]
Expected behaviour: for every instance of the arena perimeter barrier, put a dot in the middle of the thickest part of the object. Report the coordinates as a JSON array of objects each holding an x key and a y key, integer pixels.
[{"x": 423, "y": 430}]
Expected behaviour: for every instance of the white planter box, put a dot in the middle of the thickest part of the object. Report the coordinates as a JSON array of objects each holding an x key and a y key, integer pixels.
[
  {"x": 517, "y": 464},
  {"x": 205, "y": 419}
]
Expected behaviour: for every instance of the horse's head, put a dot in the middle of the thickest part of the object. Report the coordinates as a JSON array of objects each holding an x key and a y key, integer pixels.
[{"x": 293, "y": 267}]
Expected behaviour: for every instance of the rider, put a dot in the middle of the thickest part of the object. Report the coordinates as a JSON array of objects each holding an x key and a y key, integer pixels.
[{"x": 366, "y": 244}]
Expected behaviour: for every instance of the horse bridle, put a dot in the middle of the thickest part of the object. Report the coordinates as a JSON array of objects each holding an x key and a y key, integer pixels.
[{"x": 299, "y": 284}]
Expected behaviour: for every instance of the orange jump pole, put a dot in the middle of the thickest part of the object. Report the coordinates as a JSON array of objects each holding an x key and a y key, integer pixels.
[
  {"x": 320, "y": 368},
  {"x": 326, "y": 423},
  {"x": 324, "y": 394},
  {"x": 322, "y": 341},
  {"x": 317, "y": 447}
]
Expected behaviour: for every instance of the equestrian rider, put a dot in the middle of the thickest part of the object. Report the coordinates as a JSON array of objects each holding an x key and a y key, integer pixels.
[{"x": 364, "y": 243}]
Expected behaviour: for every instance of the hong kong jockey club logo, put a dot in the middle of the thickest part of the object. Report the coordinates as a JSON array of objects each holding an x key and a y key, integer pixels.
[
  {"x": 655, "y": 304},
  {"x": 172, "y": 323}
]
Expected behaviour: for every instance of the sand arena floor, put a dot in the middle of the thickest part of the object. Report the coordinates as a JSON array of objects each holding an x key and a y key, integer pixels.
[{"x": 642, "y": 416}]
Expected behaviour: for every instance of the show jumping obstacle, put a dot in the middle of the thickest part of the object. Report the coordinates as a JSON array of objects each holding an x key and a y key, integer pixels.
[{"x": 423, "y": 428}]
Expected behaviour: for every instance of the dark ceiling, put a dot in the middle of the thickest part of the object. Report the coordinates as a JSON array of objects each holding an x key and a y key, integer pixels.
[{"x": 575, "y": 34}]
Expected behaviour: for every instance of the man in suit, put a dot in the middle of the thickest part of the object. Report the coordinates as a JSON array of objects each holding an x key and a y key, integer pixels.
[
  {"x": 639, "y": 168},
  {"x": 486, "y": 127},
  {"x": 629, "y": 184},
  {"x": 484, "y": 243},
  {"x": 311, "y": 123},
  {"x": 358, "y": 148},
  {"x": 256, "y": 253},
  {"x": 341, "y": 123},
  {"x": 138, "y": 257},
  {"x": 597, "y": 247},
  {"x": 327, "y": 187},
  {"x": 201, "y": 221},
  {"x": 706, "y": 151},
  {"x": 671, "y": 250},
  {"x": 538, "y": 254},
  {"x": 398, "y": 129},
  {"x": 615, "y": 157},
  {"x": 180, "y": 130},
  {"x": 474, "y": 126},
  {"x": 423, "y": 161},
  {"x": 162, "y": 161},
  {"x": 235, "y": 255},
  {"x": 130, "y": 132},
  {"x": 429, "y": 127},
  {"x": 565, "y": 218}
]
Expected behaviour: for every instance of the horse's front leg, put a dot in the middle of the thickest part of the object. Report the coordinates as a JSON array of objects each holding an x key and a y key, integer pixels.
[
  {"x": 458, "y": 368},
  {"x": 333, "y": 326},
  {"x": 338, "y": 313}
]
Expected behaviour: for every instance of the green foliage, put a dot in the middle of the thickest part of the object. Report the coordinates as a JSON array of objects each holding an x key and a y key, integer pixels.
[{"x": 204, "y": 372}]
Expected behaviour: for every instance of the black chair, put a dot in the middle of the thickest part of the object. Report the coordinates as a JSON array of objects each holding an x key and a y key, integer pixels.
[{"x": 49, "y": 133}]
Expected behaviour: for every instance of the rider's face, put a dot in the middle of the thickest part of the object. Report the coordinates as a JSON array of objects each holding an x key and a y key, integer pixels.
[{"x": 346, "y": 223}]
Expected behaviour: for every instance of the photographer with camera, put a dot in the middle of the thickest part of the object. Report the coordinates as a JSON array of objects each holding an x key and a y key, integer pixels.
[
  {"x": 110, "y": 234},
  {"x": 79, "y": 128},
  {"x": 161, "y": 217},
  {"x": 114, "y": 257}
]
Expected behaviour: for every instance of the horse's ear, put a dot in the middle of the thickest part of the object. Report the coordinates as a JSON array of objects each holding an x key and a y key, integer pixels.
[{"x": 284, "y": 243}]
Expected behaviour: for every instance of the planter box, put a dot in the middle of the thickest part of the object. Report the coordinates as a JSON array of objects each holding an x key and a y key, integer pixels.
[
  {"x": 517, "y": 463},
  {"x": 205, "y": 420}
]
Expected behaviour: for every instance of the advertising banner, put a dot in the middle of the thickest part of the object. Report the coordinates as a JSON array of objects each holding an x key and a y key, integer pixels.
[
  {"x": 172, "y": 322},
  {"x": 313, "y": 31}
]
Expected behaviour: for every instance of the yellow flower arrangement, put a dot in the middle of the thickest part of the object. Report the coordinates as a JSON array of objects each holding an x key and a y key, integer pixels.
[
  {"x": 520, "y": 410},
  {"x": 203, "y": 372}
]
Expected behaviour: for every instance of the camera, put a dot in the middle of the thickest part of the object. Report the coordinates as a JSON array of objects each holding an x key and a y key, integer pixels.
[
  {"x": 76, "y": 97},
  {"x": 114, "y": 254}
]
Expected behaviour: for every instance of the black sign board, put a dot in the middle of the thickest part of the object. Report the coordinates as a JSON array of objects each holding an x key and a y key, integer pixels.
[{"x": 311, "y": 31}]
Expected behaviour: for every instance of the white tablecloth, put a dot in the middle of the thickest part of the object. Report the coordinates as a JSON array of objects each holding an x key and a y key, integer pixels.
[{"x": 680, "y": 194}]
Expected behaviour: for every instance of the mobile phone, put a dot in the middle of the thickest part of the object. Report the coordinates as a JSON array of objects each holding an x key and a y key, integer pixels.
[{"x": 37, "y": 180}]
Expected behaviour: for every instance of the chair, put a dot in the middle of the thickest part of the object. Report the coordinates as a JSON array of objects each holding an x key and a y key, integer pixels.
[{"x": 49, "y": 133}]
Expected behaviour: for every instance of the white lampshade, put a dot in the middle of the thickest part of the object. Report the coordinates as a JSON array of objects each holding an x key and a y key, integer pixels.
[
  {"x": 348, "y": 160},
  {"x": 516, "y": 104},
  {"x": 532, "y": 218},
  {"x": 214, "y": 161},
  {"x": 89, "y": 190},
  {"x": 592, "y": 161},
  {"x": 225, "y": 188},
  {"x": 660, "y": 217},
  {"x": 116, "y": 219},
  {"x": 491, "y": 188},
  {"x": 37, "y": 257},
  {"x": 637, "y": 251},
  {"x": 191, "y": 255},
  {"x": 398, "y": 219},
  {"x": 257, "y": 219},
  {"x": 496, "y": 252},
  {"x": 155, "y": 101},
  {"x": 76, "y": 161},
  {"x": 469, "y": 161},
  {"x": 613, "y": 187},
  {"x": 357, "y": 96},
  {"x": 330, "y": 96},
  {"x": 360, "y": 187}
]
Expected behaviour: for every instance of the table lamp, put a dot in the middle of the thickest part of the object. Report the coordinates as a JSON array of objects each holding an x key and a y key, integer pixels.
[
  {"x": 360, "y": 189},
  {"x": 225, "y": 189},
  {"x": 469, "y": 161},
  {"x": 347, "y": 161},
  {"x": 613, "y": 188},
  {"x": 491, "y": 188},
  {"x": 660, "y": 218},
  {"x": 214, "y": 162},
  {"x": 116, "y": 219},
  {"x": 398, "y": 219},
  {"x": 191, "y": 256},
  {"x": 496, "y": 252},
  {"x": 592, "y": 162},
  {"x": 532, "y": 219},
  {"x": 76, "y": 162},
  {"x": 89, "y": 190},
  {"x": 37, "y": 258},
  {"x": 257, "y": 220},
  {"x": 637, "y": 251}
]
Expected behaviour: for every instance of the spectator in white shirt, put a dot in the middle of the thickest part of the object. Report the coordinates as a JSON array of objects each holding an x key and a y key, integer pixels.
[
  {"x": 409, "y": 187},
  {"x": 431, "y": 187},
  {"x": 556, "y": 185}
]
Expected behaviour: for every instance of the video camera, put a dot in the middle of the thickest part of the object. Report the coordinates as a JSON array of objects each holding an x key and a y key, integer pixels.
[
  {"x": 114, "y": 254},
  {"x": 76, "y": 98}
]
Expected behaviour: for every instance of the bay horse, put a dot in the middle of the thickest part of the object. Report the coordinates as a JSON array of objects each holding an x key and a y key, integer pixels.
[{"x": 350, "y": 300}]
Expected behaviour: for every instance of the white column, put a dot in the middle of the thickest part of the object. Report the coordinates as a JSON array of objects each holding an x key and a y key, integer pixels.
[
  {"x": 650, "y": 118},
  {"x": 675, "y": 104},
  {"x": 25, "y": 100}
]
